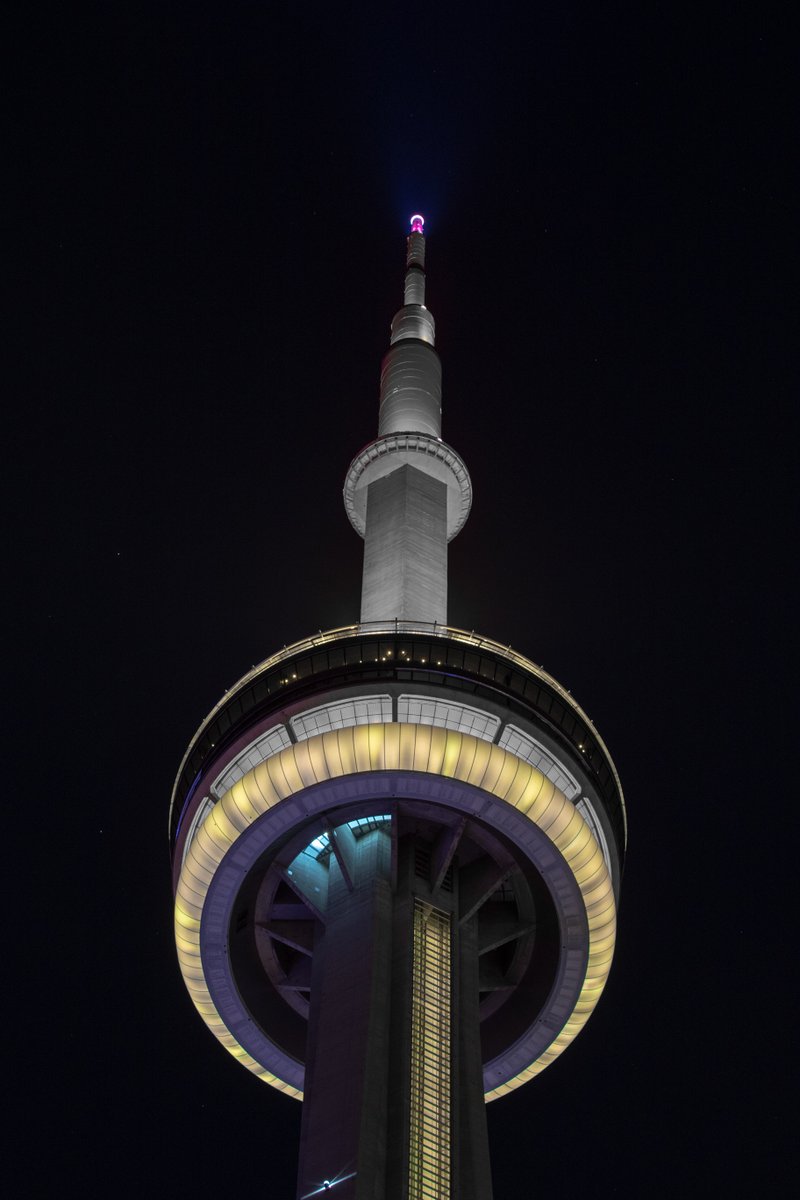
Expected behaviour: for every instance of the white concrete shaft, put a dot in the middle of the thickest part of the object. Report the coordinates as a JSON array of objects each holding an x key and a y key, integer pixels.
[
  {"x": 405, "y": 548},
  {"x": 405, "y": 509}
]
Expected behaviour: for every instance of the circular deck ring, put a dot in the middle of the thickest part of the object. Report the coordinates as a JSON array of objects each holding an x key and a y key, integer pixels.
[{"x": 454, "y": 769}]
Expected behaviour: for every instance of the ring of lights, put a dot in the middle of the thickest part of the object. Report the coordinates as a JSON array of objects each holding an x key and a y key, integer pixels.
[
  {"x": 240, "y": 1005},
  {"x": 373, "y": 461},
  {"x": 289, "y": 787}
]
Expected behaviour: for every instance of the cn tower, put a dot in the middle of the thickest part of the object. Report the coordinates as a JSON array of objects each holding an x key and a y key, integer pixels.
[{"x": 397, "y": 846}]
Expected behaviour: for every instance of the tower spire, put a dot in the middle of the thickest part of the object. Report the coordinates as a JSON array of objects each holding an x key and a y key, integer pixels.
[
  {"x": 408, "y": 493},
  {"x": 415, "y": 266}
]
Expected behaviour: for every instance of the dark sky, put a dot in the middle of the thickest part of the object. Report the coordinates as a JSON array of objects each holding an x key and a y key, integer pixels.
[{"x": 212, "y": 204}]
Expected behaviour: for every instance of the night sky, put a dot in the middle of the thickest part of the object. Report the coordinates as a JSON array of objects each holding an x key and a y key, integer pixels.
[{"x": 212, "y": 202}]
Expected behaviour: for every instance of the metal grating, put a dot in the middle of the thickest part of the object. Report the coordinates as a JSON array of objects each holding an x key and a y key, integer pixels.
[
  {"x": 447, "y": 714},
  {"x": 422, "y": 861},
  {"x": 341, "y": 714},
  {"x": 431, "y": 1031}
]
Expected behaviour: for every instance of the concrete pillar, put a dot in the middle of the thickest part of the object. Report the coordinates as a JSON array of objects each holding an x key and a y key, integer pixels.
[
  {"x": 472, "y": 1176},
  {"x": 405, "y": 548},
  {"x": 343, "y": 1130}
]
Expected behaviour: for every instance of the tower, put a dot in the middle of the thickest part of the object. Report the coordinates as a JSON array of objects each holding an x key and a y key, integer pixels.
[{"x": 397, "y": 846}]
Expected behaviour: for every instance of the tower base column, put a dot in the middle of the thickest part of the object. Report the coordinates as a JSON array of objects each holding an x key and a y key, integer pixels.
[{"x": 343, "y": 1130}]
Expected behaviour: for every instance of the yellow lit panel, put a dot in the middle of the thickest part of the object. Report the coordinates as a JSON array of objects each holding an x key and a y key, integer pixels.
[{"x": 431, "y": 1037}]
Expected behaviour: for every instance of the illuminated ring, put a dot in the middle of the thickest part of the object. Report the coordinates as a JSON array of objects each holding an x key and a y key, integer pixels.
[
  {"x": 375, "y": 789},
  {"x": 448, "y": 465},
  {"x": 445, "y": 757}
]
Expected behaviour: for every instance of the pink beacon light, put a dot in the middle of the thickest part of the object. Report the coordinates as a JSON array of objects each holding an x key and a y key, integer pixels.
[{"x": 417, "y": 223}]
